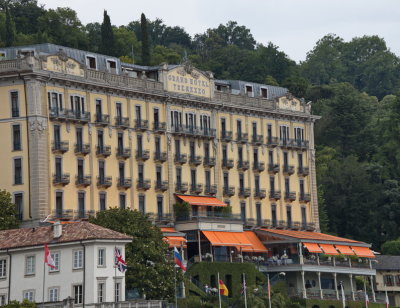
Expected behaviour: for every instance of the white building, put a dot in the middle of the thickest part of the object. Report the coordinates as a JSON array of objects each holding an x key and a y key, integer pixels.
[{"x": 84, "y": 255}]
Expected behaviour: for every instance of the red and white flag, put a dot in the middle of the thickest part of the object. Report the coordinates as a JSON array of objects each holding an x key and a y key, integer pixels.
[{"x": 47, "y": 257}]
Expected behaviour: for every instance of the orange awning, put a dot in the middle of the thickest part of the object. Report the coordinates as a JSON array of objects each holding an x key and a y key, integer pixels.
[
  {"x": 313, "y": 248},
  {"x": 328, "y": 249},
  {"x": 175, "y": 241},
  {"x": 345, "y": 250},
  {"x": 363, "y": 252},
  {"x": 256, "y": 245},
  {"x": 221, "y": 238},
  {"x": 196, "y": 200},
  {"x": 168, "y": 230}
]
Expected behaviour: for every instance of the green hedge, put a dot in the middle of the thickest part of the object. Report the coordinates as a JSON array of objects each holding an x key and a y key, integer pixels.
[
  {"x": 338, "y": 304},
  {"x": 205, "y": 270}
]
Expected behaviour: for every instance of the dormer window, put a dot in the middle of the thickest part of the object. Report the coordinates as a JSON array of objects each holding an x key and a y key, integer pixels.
[
  {"x": 112, "y": 66},
  {"x": 249, "y": 91},
  {"x": 264, "y": 92},
  {"x": 91, "y": 62}
]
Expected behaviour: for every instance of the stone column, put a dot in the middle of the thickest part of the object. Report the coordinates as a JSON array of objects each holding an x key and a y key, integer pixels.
[
  {"x": 372, "y": 288},
  {"x": 303, "y": 285},
  {"x": 335, "y": 282},
  {"x": 320, "y": 287},
  {"x": 351, "y": 286}
]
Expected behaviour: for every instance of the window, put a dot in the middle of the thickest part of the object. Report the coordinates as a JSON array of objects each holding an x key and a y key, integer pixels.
[
  {"x": 102, "y": 201},
  {"x": 243, "y": 211},
  {"x": 301, "y": 188},
  {"x": 176, "y": 120},
  {"x": 206, "y": 151},
  {"x": 2, "y": 300},
  {"x": 17, "y": 171},
  {"x": 3, "y": 268},
  {"x": 101, "y": 292},
  {"x": 16, "y": 137},
  {"x": 208, "y": 180},
  {"x": 81, "y": 204},
  {"x": 59, "y": 204},
  {"x": 138, "y": 111},
  {"x": 102, "y": 171},
  {"x": 272, "y": 184},
  {"x": 19, "y": 205},
  {"x": 241, "y": 181},
  {"x": 91, "y": 62},
  {"x": 156, "y": 118},
  {"x": 78, "y": 294},
  {"x": 122, "y": 201},
  {"x": 157, "y": 147},
  {"x": 178, "y": 177},
  {"x": 101, "y": 257},
  {"x": 121, "y": 171},
  {"x": 14, "y": 104},
  {"x": 117, "y": 291},
  {"x": 284, "y": 133},
  {"x": 240, "y": 155},
  {"x": 287, "y": 187},
  {"x": 112, "y": 66},
  {"x": 271, "y": 157},
  {"x": 79, "y": 139},
  {"x": 249, "y": 91},
  {"x": 77, "y": 105},
  {"x": 300, "y": 160},
  {"x": 54, "y": 294},
  {"x": 273, "y": 215},
  {"x": 388, "y": 280},
  {"x": 289, "y": 216},
  {"x": 191, "y": 121},
  {"x": 258, "y": 213},
  {"x": 30, "y": 265},
  {"x": 255, "y": 157},
  {"x": 269, "y": 133},
  {"x": 158, "y": 176},
  {"x": 254, "y": 126},
  {"x": 299, "y": 134},
  {"x": 264, "y": 92},
  {"x": 142, "y": 205},
  {"x": 239, "y": 128},
  {"x": 99, "y": 111},
  {"x": 80, "y": 162},
  {"x": 223, "y": 128},
  {"x": 177, "y": 149},
  {"x": 58, "y": 169},
  {"x": 193, "y": 178},
  {"x": 303, "y": 217},
  {"x": 257, "y": 183},
  {"x": 77, "y": 259},
  {"x": 160, "y": 207},
  {"x": 118, "y": 111},
  {"x": 205, "y": 123},
  {"x": 55, "y": 102},
  {"x": 141, "y": 174},
  {"x": 224, "y": 154},
  {"x": 192, "y": 150},
  {"x": 29, "y": 295},
  {"x": 226, "y": 181},
  {"x": 56, "y": 258}
]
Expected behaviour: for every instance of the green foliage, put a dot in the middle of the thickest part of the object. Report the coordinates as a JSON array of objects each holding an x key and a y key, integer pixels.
[
  {"x": 8, "y": 212},
  {"x": 182, "y": 210},
  {"x": 163, "y": 54},
  {"x": 10, "y": 29},
  {"x": 391, "y": 248},
  {"x": 149, "y": 270},
  {"x": 24, "y": 304},
  {"x": 145, "y": 41},
  {"x": 107, "y": 42}
]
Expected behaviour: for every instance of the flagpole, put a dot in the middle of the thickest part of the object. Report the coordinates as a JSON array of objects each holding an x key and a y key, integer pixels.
[
  {"x": 219, "y": 292},
  {"x": 245, "y": 290},
  {"x": 343, "y": 297},
  {"x": 115, "y": 272},
  {"x": 365, "y": 293},
  {"x": 269, "y": 292},
  {"x": 44, "y": 278},
  {"x": 386, "y": 297},
  {"x": 176, "y": 299}
]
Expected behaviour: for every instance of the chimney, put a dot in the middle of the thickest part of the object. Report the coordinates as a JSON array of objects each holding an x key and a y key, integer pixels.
[{"x": 57, "y": 229}]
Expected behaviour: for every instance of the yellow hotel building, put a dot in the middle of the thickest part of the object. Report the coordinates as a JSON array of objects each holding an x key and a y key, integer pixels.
[{"x": 83, "y": 132}]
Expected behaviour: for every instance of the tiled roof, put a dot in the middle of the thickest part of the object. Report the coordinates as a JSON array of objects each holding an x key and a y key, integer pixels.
[
  {"x": 307, "y": 235},
  {"x": 387, "y": 263},
  {"x": 70, "y": 233}
]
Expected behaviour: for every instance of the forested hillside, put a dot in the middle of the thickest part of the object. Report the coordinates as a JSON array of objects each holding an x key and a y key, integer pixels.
[{"x": 353, "y": 85}]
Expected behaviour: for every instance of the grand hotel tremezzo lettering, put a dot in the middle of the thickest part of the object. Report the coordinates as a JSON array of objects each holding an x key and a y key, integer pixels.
[{"x": 189, "y": 85}]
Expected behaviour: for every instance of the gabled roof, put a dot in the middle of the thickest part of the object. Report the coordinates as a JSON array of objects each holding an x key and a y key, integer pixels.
[
  {"x": 72, "y": 232},
  {"x": 387, "y": 262}
]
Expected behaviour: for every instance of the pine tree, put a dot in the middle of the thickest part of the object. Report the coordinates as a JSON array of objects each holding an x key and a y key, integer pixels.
[
  {"x": 10, "y": 29},
  {"x": 145, "y": 41},
  {"x": 107, "y": 44}
]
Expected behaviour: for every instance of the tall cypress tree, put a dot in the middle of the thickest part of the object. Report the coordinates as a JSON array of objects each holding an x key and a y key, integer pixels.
[
  {"x": 10, "y": 29},
  {"x": 145, "y": 41},
  {"x": 107, "y": 44}
]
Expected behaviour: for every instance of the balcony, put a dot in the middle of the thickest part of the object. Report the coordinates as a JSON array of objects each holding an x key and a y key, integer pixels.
[
  {"x": 160, "y": 157},
  {"x": 274, "y": 194},
  {"x": 294, "y": 225},
  {"x": 209, "y": 161},
  {"x": 226, "y": 136},
  {"x": 309, "y": 226},
  {"x": 159, "y": 127},
  {"x": 304, "y": 197},
  {"x": 195, "y": 160},
  {"x": 242, "y": 137},
  {"x": 196, "y": 189},
  {"x": 124, "y": 183},
  {"x": 141, "y": 125},
  {"x": 142, "y": 155},
  {"x": 257, "y": 139},
  {"x": 62, "y": 214},
  {"x": 280, "y": 224},
  {"x": 244, "y": 192},
  {"x": 227, "y": 163},
  {"x": 180, "y": 159},
  {"x": 300, "y": 144},
  {"x": 287, "y": 169},
  {"x": 272, "y": 142},
  {"x": 161, "y": 185},
  {"x": 210, "y": 217},
  {"x": 123, "y": 153},
  {"x": 258, "y": 167},
  {"x": 210, "y": 190},
  {"x": 60, "y": 146},
  {"x": 57, "y": 114},
  {"x": 104, "y": 181},
  {"x": 103, "y": 150},
  {"x": 290, "y": 196},
  {"x": 122, "y": 122},
  {"x": 61, "y": 179},
  {"x": 78, "y": 116},
  {"x": 207, "y": 133},
  {"x": 260, "y": 193},
  {"x": 181, "y": 187},
  {"x": 190, "y": 130},
  {"x": 303, "y": 171},
  {"x": 102, "y": 119},
  {"x": 143, "y": 184},
  {"x": 285, "y": 143},
  {"x": 273, "y": 168},
  {"x": 177, "y": 129},
  {"x": 82, "y": 214},
  {"x": 243, "y": 165},
  {"x": 83, "y": 180},
  {"x": 82, "y": 148},
  {"x": 229, "y": 191}
]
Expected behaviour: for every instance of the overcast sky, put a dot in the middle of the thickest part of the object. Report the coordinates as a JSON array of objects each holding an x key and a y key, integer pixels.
[{"x": 293, "y": 25}]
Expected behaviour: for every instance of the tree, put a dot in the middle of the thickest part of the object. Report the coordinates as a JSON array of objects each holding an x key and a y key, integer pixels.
[
  {"x": 145, "y": 41},
  {"x": 8, "y": 212},
  {"x": 391, "y": 248},
  {"x": 25, "y": 304},
  {"x": 10, "y": 29},
  {"x": 149, "y": 270},
  {"x": 107, "y": 43}
]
